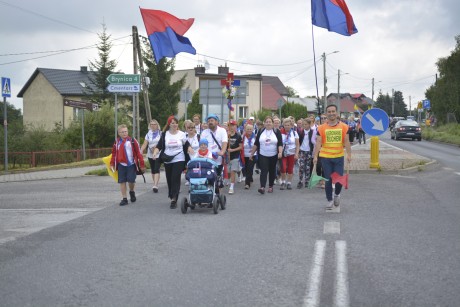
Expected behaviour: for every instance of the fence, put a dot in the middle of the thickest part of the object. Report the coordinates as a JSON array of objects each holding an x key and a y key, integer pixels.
[{"x": 44, "y": 158}]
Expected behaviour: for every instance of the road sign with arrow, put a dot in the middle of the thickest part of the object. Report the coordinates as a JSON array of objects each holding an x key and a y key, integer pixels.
[{"x": 375, "y": 122}]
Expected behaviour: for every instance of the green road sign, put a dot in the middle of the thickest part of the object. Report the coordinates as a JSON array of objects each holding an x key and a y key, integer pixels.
[{"x": 124, "y": 79}]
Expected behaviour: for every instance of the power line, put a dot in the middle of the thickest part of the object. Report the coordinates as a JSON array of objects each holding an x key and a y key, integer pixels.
[{"x": 45, "y": 17}]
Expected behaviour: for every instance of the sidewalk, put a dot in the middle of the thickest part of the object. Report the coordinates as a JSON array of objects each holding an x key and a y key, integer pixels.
[{"x": 391, "y": 159}]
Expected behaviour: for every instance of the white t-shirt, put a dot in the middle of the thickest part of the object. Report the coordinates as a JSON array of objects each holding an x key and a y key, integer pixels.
[
  {"x": 174, "y": 145},
  {"x": 220, "y": 135},
  {"x": 152, "y": 138},
  {"x": 246, "y": 147},
  {"x": 268, "y": 143},
  {"x": 305, "y": 146},
  {"x": 289, "y": 142},
  {"x": 194, "y": 143}
]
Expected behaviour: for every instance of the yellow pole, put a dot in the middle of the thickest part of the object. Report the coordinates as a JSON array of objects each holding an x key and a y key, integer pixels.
[{"x": 374, "y": 152}]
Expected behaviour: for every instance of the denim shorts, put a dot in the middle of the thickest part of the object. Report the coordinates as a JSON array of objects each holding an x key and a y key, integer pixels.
[{"x": 126, "y": 173}]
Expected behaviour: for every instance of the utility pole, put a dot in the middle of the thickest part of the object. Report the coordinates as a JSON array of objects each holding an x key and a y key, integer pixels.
[
  {"x": 136, "y": 132},
  {"x": 338, "y": 94},
  {"x": 372, "y": 90},
  {"x": 392, "y": 102},
  {"x": 410, "y": 106},
  {"x": 325, "y": 81},
  {"x": 143, "y": 77}
]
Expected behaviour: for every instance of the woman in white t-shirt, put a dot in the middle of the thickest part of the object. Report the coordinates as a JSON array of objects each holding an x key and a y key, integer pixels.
[
  {"x": 269, "y": 145},
  {"x": 173, "y": 143},
  {"x": 151, "y": 141},
  {"x": 290, "y": 153}
]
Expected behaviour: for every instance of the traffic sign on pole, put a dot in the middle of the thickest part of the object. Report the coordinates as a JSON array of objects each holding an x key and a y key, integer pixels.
[
  {"x": 426, "y": 104},
  {"x": 124, "y": 79},
  {"x": 124, "y": 88},
  {"x": 375, "y": 122},
  {"x": 6, "y": 87}
]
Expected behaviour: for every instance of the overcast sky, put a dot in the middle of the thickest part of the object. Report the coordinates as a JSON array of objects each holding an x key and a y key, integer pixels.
[{"x": 398, "y": 41}]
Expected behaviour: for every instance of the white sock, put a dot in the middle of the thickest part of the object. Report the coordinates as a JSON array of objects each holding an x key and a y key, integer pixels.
[{"x": 231, "y": 185}]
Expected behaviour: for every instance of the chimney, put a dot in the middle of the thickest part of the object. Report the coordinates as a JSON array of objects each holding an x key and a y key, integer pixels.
[
  {"x": 83, "y": 68},
  {"x": 223, "y": 70},
  {"x": 200, "y": 70}
]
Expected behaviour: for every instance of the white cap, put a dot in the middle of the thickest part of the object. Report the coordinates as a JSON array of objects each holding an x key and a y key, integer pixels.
[{"x": 251, "y": 118}]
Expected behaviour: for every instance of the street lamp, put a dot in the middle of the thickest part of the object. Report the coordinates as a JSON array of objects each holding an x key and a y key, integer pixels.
[{"x": 325, "y": 79}]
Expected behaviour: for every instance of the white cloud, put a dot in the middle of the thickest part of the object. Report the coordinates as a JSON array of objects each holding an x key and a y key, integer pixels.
[{"x": 398, "y": 42}]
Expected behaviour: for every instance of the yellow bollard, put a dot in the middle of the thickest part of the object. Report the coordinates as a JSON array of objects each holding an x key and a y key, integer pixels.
[{"x": 374, "y": 152}]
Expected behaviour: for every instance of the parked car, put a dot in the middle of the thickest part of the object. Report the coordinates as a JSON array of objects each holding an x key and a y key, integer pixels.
[{"x": 406, "y": 129}]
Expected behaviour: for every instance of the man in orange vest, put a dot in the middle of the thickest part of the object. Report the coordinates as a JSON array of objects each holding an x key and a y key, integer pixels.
[{"x": 331, "y": 139}]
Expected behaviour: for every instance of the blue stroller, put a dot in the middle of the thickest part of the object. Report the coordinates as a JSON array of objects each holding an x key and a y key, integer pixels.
[{"x": 203, "y": 188}]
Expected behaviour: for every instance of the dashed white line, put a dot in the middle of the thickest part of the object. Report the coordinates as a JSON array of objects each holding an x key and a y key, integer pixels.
[
  {"x": 458, "y": 174},
  {"x": 341, "y": 282},
  {"x": 314, "y": 289}
]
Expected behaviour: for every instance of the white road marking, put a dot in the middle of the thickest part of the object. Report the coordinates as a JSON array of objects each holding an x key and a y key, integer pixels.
[
  {"x": 331, "y": 227},
  {"x": 448, "y": 168},
  {"x": 341, "y": 282},
  {"x": 316, "y": 275},
  {"x": 458, "y": 174}
]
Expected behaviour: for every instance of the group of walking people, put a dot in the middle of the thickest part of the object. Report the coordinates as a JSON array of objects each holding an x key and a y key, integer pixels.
[{"x": 275, "y": 150}]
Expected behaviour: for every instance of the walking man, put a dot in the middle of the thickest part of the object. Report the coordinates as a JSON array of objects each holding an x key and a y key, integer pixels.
[
  {"x": 127, "y": 159},
  {"x": 330, "y": 142}
]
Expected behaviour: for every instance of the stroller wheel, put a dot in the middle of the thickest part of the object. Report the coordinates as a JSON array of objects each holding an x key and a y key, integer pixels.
[
  {"x": 184, "y": 205},
  {"x": 223, "y": 201},
  {"x": 215, "y": 205}
]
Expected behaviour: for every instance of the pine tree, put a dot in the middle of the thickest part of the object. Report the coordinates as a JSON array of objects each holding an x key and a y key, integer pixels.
[
  {"x": 102, "y": 68},
  {"x": 195, "y": 107},
  {"x": 164, "y": 96}
]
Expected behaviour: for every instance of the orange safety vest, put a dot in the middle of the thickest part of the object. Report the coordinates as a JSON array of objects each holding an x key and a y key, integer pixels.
[{"x": 332, "y": 140}]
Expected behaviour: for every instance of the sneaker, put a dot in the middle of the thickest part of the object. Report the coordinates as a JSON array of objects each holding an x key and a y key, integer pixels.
[
  {"x": 306, "y": 184},
  {"x": 270, "y": 190},
  {"x": 261, "y": 190},
  {"x": 124, "y": 202},
  {"x": 330, "y": 205},
  {"x": 336, "y": 200},
  {"x": 283, "y": 185},
  {"x": 132, "y": 196},
  {"x": 155, "y": 189},
  {"x": 230, "y": 191},
  {"x": 289, "y": 186},
  {"x": 258, "y": 170},
  {"x": 240, "y": 178},
  {"x": 300, "y": 185},
  {"x": 173, "y": 204},
  {"x": 246, "y": 187}
]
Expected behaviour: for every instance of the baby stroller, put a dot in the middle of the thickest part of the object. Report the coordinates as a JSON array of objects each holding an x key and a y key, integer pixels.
[{"x": 203, "y": 188}]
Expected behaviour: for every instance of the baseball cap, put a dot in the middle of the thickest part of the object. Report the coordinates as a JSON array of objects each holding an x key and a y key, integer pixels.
[
  {"x": 212, "y": 115},
  {"x": 251, "y": 118},
  {"x": 232, "y": 122}
]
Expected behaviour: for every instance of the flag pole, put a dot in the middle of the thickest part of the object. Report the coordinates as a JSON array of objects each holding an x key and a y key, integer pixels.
[{"x": 316, "y": 74}]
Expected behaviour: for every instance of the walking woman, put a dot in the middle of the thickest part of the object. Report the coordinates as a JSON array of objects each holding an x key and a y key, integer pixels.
[
  {"x": 193, "y": 138},
  {"x": 151, "y": 141},
  {"x": 290, "y": 153},
  {"x": 249, "y": 139},
  {"x": 173, "y": 145},
  {"x": 269, "y": 146}
]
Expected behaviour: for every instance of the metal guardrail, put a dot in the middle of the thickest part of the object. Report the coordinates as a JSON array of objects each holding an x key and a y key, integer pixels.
[{"x": 18, "y": 159}]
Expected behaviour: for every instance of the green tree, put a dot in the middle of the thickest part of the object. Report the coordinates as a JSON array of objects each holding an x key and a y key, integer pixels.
[
  {"x": 15, "y": 127},
  {"x": 444, "y": 95},
  {"x": 291, "y": 92},
  {"x": 293, "y": 109},
  {"x": 261, "y": 114},
  {"x": 195, "y": 107},
  {"x": 102, "y": 68},
  {"x": 164, "y": 96},
  {"x": 385, "y": 103},
  {"x": 99, "y": 128}
]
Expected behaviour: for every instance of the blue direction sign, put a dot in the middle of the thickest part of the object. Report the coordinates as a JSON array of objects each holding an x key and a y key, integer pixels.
[
  {"x": 6, "y": 87},
  {"x": 426, "y": 104},
  {"x": 375, "y": 122}
]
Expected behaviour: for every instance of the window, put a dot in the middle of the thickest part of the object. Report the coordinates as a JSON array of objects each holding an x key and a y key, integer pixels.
[{"x": 243, "y": 112}]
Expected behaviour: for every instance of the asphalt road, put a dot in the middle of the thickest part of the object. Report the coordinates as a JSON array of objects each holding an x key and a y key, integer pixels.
[{"x": 394, "y": 242}]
